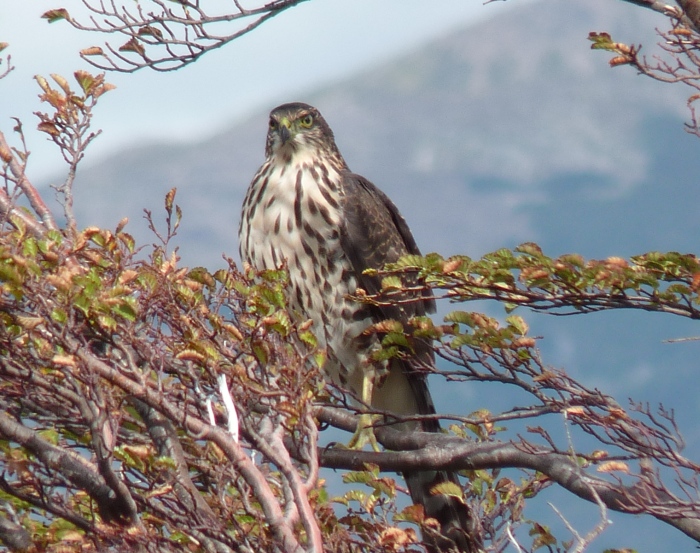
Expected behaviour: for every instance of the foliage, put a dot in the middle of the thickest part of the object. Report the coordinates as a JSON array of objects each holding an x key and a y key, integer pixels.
[
  {"x": 152, "y": 407},
  {"x": 680, "y": 44}
]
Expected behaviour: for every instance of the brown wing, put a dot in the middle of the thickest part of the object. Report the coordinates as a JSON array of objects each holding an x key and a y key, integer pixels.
[{"x": 374, "y": 233}]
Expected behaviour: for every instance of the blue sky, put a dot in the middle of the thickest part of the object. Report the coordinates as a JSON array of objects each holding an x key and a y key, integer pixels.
[{"x": 307, "y": 46}]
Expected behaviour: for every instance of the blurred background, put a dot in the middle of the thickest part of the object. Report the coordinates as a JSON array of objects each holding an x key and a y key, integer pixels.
[{"x": 488, "y": 125}]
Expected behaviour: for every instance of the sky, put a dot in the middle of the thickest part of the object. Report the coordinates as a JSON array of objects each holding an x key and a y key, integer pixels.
[{"x": 305, "y": 47}]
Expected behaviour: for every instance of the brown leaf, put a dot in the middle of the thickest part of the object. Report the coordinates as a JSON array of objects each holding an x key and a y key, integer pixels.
[
  {"x": 614, "y": 466},
  {"x": 620, "y": 60},
  {"x": 617, "y": 262},
  {"x": 92, "y": 51},
  {"x": 62, "y": 82},
  {"x": 524, "y": 342},
  {"x": 133, "y": 45},
  {"x": 56, "y": 15},
  {"x": 5, "y": 154},
  {"x": 64, "y": 360},
  {"x": 190, "y": 355},
  {"x": 48, "y": 128},
  {"x": 451, "y": 265},
  {"x": 396, "y": 538}
]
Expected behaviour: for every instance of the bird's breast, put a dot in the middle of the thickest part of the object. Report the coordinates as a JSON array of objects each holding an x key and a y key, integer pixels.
[{"x": 295, "y": 216}]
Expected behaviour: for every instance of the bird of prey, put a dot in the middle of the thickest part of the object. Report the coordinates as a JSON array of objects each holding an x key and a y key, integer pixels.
[{"x": 306, "y": 208}]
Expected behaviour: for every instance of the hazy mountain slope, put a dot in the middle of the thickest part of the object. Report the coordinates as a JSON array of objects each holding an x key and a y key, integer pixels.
[
  {"x": 475, "y": 126},
  {"x": 509, "y": 131}
]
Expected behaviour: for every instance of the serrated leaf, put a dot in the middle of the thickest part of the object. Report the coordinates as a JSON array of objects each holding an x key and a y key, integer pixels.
[
  {"x": 107, "y": 322},
  {"x": 357, "y": 478},
  {"x": 518, "y": 323},
  {"x": 410, "y": 261},
  {"x": 392, "y": 282},
  {"x": 412, "y": 513},
  {"x": 85, "y": 80},
  {"x": 601, "y": 41},
  {"x": 132, "y": 45},
  {"x": 447, "y": 488},
  {"x": 461, "y": 317},
  {"x": 59, "y": 315},
  {"x": 530, "y": 248},
  {"x": 356, "y": 495},
  {"x": 201, "y": 275},
  {"x": 56, "y": 15},
  {"x": 125, "y": 310}
]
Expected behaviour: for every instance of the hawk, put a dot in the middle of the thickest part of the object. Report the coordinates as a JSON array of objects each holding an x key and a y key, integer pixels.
[{"x": 306, "y": 208}]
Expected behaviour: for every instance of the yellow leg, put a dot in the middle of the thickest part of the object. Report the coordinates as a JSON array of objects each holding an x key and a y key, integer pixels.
[{"x": 365, "y": 433}]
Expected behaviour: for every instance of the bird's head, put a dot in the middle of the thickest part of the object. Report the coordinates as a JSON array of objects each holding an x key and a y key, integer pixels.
[{"x": 298, "y": 128}]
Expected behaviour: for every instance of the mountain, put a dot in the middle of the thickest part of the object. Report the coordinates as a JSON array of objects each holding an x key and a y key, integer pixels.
[
  {"x": 479, "y": 125},
  {"x": 508, "y": 131}
]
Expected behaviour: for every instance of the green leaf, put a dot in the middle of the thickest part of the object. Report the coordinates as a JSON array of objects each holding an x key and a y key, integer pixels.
[
  {"x": 164, "y": 462},
  {"x": 9, "y": 273},
  {"x": 147, "y": 281},
  {"x": 447, "y": 488},
  {"x": 355, "y": 495},
  {"x": 107, "y": 322},
  {"x": 392, "y": 282},
  {"x": 260, "y": 353},
  {"x": 518, "y": 323},
  {"x": 357, "y": 478},
  {"x": 601, "y": 41},
  {"x": 308, "y": 338},
  {"x": 180, "y": 538},
  {"x": 201, "y": 275},
  {"x": 125, "y": 310},
  {"x": 59, "y": 315},
  {"x": 680, "y": 289},
  {"x": 30, "y": 247},
  {"x": 410, "y": 261},
  {"x": 50, "y": 435}
]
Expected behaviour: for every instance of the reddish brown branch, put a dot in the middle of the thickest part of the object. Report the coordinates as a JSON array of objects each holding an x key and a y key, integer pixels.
[
  {"x": 71, "y": 465},
  {"x": 32, "y": 194}
]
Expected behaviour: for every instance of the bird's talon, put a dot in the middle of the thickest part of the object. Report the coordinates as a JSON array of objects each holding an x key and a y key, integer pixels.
[{"x": 364, "y": 434}]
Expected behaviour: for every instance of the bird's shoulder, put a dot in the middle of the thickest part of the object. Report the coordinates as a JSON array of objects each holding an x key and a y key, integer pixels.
[
  {"x": 374, "y": 233},
  {"x": 371, "y": 213}
]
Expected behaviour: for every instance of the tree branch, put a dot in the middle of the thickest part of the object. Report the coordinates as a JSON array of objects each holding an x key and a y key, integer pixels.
[
  {"x": 72, "y": 466},
  {"x": 416, "y": 451}
]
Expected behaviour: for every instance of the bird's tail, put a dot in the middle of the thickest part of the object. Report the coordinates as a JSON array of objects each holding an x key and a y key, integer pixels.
[
  {"x": 454, "y": 533},
  {"x": 405, "y": 392}
]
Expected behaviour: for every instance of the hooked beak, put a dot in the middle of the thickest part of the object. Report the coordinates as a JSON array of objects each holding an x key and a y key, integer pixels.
[{"x": 284, "y": 130}]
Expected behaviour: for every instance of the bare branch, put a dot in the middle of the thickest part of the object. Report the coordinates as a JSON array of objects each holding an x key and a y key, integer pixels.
[
  {"x": 168, "y": 35},
  {"x": 18, "y": 177}
]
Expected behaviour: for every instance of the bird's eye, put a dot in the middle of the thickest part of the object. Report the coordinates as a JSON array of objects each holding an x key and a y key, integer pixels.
[
  {"x": 273, "y": 123},
  {"x": 307, "y": 120}
]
